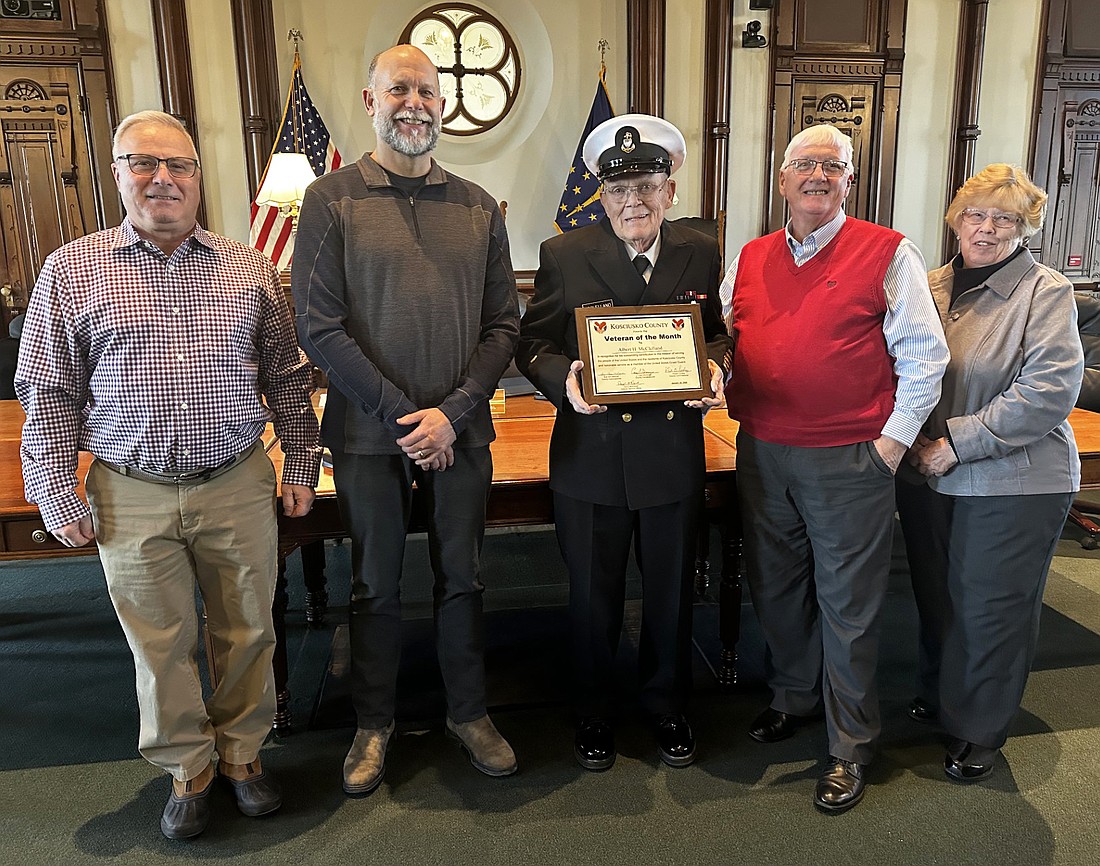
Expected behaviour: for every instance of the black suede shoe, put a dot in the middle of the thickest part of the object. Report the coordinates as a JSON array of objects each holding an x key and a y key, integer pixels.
[
  {"x": 186, "y": 816},
  {"x": 771, "y": 726},
  {"x": 841, "y": 787},
  {"x": 258, "y": 795},
  {"x": 971, "y": 764},
  {"x": 675, "y": 740},
  {"x": 922, "y": 711},
  {"x": 594, "y": 745}
]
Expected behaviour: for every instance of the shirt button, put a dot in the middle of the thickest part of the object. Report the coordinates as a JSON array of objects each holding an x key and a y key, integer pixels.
[
  {"x": 176, "y": 310},
  {"x": 627, "y": 417},
  {"x": 179, "y": 357},
  {"x": 670, "y": 415},
  {"x": 183, "y": 405},
  {"x": 954, "y": 317}
]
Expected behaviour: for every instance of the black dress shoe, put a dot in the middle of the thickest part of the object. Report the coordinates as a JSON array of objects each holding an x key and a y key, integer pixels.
[
  {"x": 972, "y": 764},
  {"x": 675, "y": 740},
  {"x": 186, "y": 816},
  {"x": 922, "y": 711},
  {"x": 771, "y": 726},
  {"x": 258, "y": 795},
  {"x": 841, "y": 787},
  {"x": 594, "y": 746}
]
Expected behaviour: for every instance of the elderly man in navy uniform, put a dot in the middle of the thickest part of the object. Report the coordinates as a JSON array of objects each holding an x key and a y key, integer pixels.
[{"x": 633, "y": 474}]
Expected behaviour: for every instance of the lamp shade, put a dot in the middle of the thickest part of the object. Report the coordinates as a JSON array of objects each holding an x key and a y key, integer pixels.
[{"x": 287, "y": 177}]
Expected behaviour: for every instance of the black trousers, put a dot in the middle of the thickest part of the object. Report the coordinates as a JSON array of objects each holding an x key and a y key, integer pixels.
[
  {"x": 818, "y": 532},
  {"x": 979, "y": 565},
  {"x": 375, "y": 497},
  {"x": 595, "y": 542}
]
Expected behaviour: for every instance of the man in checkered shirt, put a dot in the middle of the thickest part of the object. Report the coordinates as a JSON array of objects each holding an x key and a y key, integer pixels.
[{"x": 164, "y": 350}]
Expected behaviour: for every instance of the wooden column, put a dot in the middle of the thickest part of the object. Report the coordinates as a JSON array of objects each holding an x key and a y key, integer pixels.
[
  {"x": 716, "y": 106},
  {"x": 645, "y": 27},
  {"x": 174, "y": 59},
  {"x": 257, "y": 78},
  {"x": 968, "y": 88}
]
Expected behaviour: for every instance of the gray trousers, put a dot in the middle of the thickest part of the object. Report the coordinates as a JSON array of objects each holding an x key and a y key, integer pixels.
[
  {"x": 818, "y": 525},
  {"x": 374, "y": 493},
  {"x": 979, "y": 565}
]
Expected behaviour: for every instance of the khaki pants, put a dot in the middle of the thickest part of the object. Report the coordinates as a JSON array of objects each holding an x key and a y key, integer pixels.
[{"x": 156, "y": 541}]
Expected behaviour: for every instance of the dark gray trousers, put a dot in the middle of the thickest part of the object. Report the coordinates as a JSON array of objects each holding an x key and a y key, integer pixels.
[
  {"x": 979, "y": 565},
  {"x": 375, "y": 498},
  {"x": 818, "y": 526}
]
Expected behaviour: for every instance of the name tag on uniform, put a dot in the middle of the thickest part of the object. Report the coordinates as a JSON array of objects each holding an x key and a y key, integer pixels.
[{"x": 608, "y": 303}]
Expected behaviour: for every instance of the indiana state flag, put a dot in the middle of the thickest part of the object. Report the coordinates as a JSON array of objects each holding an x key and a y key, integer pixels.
[{"x": 580, "y": 202}]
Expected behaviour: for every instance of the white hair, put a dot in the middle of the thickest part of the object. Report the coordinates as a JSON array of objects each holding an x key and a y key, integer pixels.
[
  {"x": 821, "y": 134},
  {"x": 148, "y": 118}
]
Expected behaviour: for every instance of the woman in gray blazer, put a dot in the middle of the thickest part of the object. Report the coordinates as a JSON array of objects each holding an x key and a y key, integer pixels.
[{"x": 1001, "y": 468}]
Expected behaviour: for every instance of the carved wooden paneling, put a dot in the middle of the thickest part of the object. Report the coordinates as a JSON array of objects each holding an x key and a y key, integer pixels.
[
  {"x": 257, "y": 78},
  {"x": 840, "y": 63},
  {"x": 716, "y": 107},
  {"x": 645, "y": 24},
  {"x": 1066, "y": 159},
  {"x": 174, "y": 58},
  {"x": 968, "y": 88},
  {"x": 47, "y": 178}
]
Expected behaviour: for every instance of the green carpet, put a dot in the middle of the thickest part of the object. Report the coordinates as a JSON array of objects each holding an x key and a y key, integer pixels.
[{"x": 72, "y": 790}]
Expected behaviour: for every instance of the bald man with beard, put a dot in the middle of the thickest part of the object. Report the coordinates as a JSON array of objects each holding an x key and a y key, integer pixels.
[{"x": 406, "y": 299}]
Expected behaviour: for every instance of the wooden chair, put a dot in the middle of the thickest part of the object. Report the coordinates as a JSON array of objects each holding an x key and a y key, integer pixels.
[{"x": 1081, "y": 514}]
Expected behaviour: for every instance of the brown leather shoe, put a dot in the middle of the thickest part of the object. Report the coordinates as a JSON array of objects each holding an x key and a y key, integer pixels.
[
  {"x": 488, "y": 750},
  {"x": 365, "y": 765}
]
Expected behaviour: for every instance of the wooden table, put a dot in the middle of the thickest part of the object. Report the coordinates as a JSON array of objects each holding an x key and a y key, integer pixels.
[{"x": 520, "y": 496}]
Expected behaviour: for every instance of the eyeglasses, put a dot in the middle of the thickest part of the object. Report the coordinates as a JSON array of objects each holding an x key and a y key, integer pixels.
[
  {"x": 829, "y": 167},
  {"x": 645, "y": 191},
  {"x": 1000, "y": 220},
  {"x": 144, "y": 165}
]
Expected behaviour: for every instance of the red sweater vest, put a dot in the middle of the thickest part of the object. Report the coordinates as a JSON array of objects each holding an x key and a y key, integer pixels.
[{"x": 810, "y": 366}]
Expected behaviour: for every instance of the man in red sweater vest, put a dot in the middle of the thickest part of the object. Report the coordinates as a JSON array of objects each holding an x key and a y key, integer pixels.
[{"x": 838, "y": 359}]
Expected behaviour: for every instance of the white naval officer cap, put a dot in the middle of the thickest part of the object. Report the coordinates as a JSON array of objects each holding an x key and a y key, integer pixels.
[{"x": 633, "y": 143}]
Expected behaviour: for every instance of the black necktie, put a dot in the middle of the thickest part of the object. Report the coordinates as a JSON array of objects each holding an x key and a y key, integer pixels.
[{"x": 641, "y": 265}]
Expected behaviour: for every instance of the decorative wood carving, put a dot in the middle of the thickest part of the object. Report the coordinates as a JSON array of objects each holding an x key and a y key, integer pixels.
[
  {"x": 56, "y": 118},
  {"x": 257, "y": 77},
  {"x": 716, "y": 107},
  {"x": 645, "y": 26},
  {"x": 839, "y": 63},
  {"x": 174, "y": 59},
  {"x": 1066, "y": 155}
]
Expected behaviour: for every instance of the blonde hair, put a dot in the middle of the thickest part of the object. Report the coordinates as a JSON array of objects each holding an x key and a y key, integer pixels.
[
  {"x": 821, "y": 133},
  {"x": 148, "y": 118},
  {"x": 1005, "y": 187}
]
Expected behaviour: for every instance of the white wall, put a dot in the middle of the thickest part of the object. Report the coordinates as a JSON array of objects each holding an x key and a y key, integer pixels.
[
  {"x": 924, "y": 134},
  {"x": 218, "y": 118},
  {"x": 133, "y": 53},
  {"x": 525, "y": 159}
]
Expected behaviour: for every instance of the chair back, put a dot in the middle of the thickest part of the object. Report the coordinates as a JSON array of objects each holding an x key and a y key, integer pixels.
[{"x": 1088, "y": 323}]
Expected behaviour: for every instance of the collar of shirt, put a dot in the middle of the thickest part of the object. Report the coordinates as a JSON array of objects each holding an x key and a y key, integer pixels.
[
  {"x": 815, "y": 241},
  {"x": 127, "y": 236},
  {"x": 651, "y": 253}
]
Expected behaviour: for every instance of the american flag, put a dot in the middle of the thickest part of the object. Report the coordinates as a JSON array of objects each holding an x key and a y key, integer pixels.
[
  {"x": 580, "y": 201},
  {"x": 301, "y": 131}
]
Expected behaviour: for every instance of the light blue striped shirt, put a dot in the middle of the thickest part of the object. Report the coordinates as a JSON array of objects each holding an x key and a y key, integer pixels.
[{"x": 911, "y": 326}]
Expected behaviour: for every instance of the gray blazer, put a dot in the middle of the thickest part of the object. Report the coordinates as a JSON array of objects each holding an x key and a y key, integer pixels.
[{"x": 1014, "y": 375}]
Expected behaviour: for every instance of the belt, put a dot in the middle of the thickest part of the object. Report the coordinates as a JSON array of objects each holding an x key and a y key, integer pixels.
[{"x": 194, "y": 476}]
